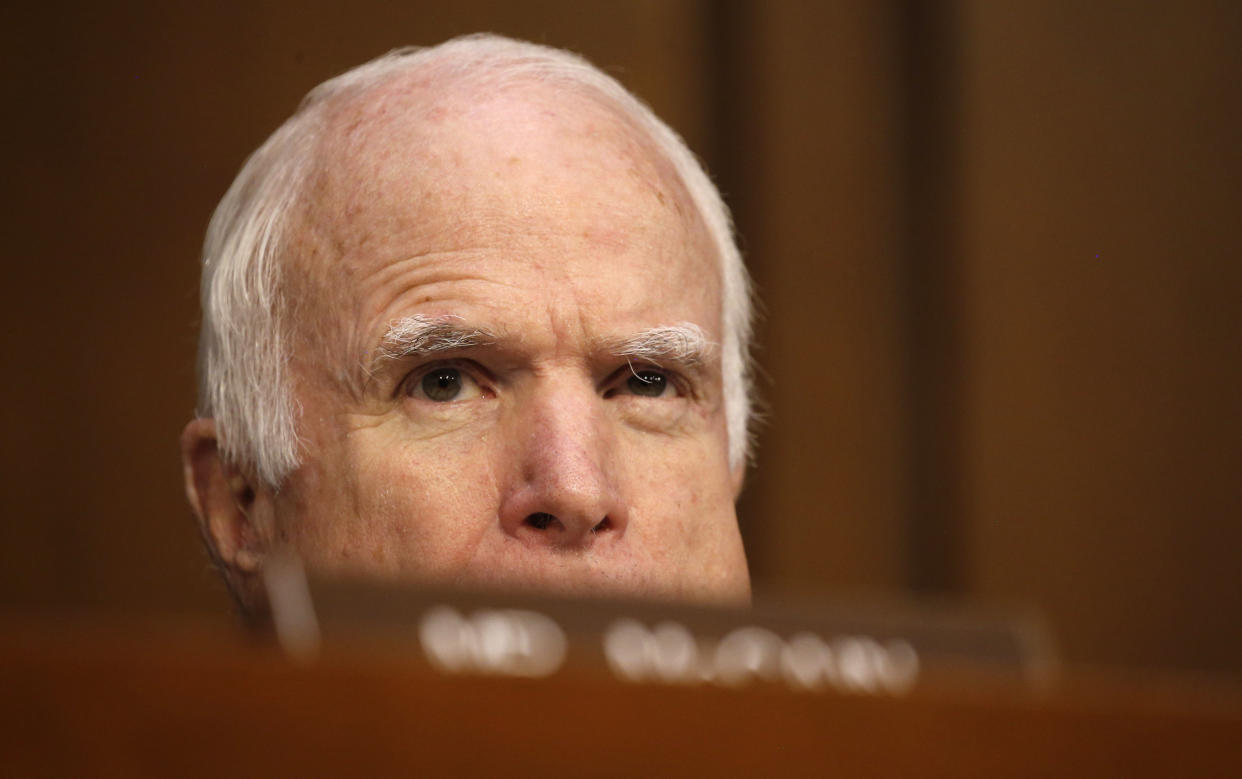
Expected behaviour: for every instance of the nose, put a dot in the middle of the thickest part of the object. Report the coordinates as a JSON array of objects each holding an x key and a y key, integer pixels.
[{"x": 564, "y": 494}]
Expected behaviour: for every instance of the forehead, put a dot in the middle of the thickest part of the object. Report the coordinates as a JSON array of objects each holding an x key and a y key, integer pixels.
[{"x": 413, "y": 159}]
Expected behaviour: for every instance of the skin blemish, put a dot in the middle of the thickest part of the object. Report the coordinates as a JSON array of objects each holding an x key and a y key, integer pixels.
[{"x": 606, "y": 238}]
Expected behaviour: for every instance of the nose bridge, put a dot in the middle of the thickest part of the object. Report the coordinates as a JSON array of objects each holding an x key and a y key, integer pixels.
[
  {"x": 567, "y": 493},
  {"x": 566, "y": 447}
]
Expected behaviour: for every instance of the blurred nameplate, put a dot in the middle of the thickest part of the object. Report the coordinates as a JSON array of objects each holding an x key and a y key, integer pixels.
[{"x": 842, "y": 647}]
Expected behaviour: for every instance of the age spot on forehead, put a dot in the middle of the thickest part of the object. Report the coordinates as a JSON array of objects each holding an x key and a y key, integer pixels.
[{"x": 611, "y": 239}]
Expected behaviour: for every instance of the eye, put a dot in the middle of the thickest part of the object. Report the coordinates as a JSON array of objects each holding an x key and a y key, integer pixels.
[
  {"x": 444, "y": 384},
  {"x": 645, "y": 382}
]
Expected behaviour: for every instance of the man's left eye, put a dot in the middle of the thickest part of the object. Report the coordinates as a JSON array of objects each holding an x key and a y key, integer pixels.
[{"x": 649, "y": 383}]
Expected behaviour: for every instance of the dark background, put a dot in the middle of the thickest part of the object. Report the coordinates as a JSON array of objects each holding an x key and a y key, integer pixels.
[{"x": 997, "y": 245}]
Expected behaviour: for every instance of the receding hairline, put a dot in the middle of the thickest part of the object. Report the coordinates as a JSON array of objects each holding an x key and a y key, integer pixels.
[
  {"x": 435, "y": 83},
  {"x": 410, "y": 103}
]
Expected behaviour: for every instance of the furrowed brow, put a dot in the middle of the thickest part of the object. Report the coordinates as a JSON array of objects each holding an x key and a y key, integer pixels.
[
  {"x": 417, "y": 336},
  {"x": 680, "y": 344},
  {"x": 420, "y": 335}
]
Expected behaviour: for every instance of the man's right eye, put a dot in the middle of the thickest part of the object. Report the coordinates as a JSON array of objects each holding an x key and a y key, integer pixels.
[{"x": 444, "y": 384}]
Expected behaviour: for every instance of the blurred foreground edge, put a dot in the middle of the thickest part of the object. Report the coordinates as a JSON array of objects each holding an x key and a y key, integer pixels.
[
  {"x": 368, "y": 680},
  {"x": 886, "y": 650}
]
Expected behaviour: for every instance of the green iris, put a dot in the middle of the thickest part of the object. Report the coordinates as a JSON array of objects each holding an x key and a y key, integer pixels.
[{"x": 442, "y": 384}]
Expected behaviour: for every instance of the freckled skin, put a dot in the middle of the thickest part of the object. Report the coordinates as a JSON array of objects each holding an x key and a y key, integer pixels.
[{"x": 539, "y": 215}]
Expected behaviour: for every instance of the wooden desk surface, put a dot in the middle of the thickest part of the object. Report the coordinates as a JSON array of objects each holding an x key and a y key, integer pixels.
[{"x": 144, "y": 699}]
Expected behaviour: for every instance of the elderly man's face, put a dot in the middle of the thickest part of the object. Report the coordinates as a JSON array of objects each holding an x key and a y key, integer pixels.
[{"x": 492, "y": 293}]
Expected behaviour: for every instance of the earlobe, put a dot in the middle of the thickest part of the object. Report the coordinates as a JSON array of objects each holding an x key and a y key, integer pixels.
[{"x": 223, "y": 500}]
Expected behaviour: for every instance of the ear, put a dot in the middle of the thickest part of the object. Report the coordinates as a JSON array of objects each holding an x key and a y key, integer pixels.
[{"x": 223, "y": 500}]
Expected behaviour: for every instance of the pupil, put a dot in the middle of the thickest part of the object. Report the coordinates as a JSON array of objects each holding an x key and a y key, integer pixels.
[
  {"x": 442, "y": 385},
  {"x": 648, "y": 383}
]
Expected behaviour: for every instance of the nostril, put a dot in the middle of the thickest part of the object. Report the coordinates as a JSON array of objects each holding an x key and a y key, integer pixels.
[
  {"x": 540, "y": 521},
  {"x": 544, "y": 521}
]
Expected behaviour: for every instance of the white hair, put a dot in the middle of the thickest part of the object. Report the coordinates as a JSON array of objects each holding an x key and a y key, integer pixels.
[{"x": 243, "y": 358}]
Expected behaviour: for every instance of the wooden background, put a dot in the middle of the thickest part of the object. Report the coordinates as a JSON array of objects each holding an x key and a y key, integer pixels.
[{"x": 997, "y": 246}]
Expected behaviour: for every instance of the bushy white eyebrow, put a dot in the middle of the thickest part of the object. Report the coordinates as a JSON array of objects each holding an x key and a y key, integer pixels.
[
  {"x": 421, "y": 335},
  {"x": 681, "y": 344}
]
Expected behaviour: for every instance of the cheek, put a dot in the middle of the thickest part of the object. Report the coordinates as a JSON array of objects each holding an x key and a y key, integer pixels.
[
  {"x": 378, "y": 503},
  {"x": 682, "y": 485},
  {"x": 437, "y": 497}
]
